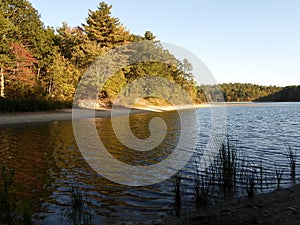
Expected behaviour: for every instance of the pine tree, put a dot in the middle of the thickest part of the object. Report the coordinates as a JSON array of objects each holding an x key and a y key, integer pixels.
[
  {"x": 7, "y": 31},
  {"x": 104, "y": 29}
]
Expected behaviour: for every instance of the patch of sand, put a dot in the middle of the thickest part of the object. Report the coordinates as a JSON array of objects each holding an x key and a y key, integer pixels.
[{"x": 33, "y": 117}]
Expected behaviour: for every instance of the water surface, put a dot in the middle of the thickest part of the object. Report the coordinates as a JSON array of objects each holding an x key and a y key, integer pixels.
[{"x": 48, "y": 162}]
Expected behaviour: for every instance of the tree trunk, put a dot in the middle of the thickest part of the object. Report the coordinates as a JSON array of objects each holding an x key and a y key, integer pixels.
[
  {"x": 38, "y": 74},
  {"x": 1, "y": 83}
]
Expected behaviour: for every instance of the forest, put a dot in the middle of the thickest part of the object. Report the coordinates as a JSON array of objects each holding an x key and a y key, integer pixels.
[{"x": 41, "y": 64}]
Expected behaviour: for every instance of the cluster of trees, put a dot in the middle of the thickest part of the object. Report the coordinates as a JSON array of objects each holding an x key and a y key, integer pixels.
[{"x": 38, "y": 61}]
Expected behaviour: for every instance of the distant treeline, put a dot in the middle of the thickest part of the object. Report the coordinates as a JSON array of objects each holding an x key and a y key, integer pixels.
[
  {"x": 286, "y": 94},
  {"x": 245, "y": 92}
]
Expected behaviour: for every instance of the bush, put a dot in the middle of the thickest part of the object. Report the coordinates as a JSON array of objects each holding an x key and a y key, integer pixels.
[{"x": 32, "y": 105}]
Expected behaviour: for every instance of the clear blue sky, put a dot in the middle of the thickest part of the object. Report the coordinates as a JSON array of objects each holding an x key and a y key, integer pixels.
[{"x": 256, "y": 41}]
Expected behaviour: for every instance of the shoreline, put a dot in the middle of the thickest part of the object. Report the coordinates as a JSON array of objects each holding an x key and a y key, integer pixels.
[
  {"x": 277, "y": 207},
  {"x": 66, "y": 114}
]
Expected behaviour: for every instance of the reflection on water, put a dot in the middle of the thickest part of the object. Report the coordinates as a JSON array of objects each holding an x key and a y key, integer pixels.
[
  {"x": 139, "y": 125},
  {"x": 47, "y": 160}
]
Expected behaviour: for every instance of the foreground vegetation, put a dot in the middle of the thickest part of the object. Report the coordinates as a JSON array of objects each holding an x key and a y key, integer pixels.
[{"x": 231, "y": 174}]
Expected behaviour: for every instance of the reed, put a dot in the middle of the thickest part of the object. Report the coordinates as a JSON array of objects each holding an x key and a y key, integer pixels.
[
  {"x": 228, "y": 167},
  {"x": 261, "y": 176},
  {"x": 279, "y": 173},
  {"x": 250, "y": 184},
  {"x": 292, "y": 156},
  {"x": 78, "y": 213},
  {"x": 7, "y": 196},
  {"x": 26, "y": 214},
  {"x": 178, "y": 193},
  {"x": 202, "y": 187},
  {"x": 197, "y": 186}
]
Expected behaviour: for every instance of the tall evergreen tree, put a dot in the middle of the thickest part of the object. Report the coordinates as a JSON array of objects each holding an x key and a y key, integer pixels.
[
  {"x": 105, "y": 29},
  {"x": 7, "y": 31}
]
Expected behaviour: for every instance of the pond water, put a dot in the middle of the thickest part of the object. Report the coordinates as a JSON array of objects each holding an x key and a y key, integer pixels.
[{"x": 47, "y": 161}]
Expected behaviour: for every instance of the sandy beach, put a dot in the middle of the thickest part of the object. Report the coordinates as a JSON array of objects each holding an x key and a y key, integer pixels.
[
  {"x": 58, "y": 115},
  {"x": 66, "y": 114}
]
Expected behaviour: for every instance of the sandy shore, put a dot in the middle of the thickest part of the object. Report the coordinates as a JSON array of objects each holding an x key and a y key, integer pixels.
[{"x": 33, "y": 117}]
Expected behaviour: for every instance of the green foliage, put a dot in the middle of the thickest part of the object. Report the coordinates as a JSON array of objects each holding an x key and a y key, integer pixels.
[
  {"x": 115, "y": 84},
  {"x": 63, "y": 78},
  {"x": 104, "y": 29},
  {"x": 7, "y": 31},
  {"x": 74, "y": 45},
  {"x": 149, "y": 35}
]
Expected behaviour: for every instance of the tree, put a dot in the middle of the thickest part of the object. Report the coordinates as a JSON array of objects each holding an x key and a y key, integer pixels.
[
  {"x": 7, "y": 31},
  {"x": 62, "y": 78},
  {"x": 75, "y": 45},
  {"x": 29, "y": 31},
  {"x": 21, "y": 74},
  {"x": 104, "y": 29},
  {"x": 27, "y": 20},
  {"x": 149, "y": 36}
]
